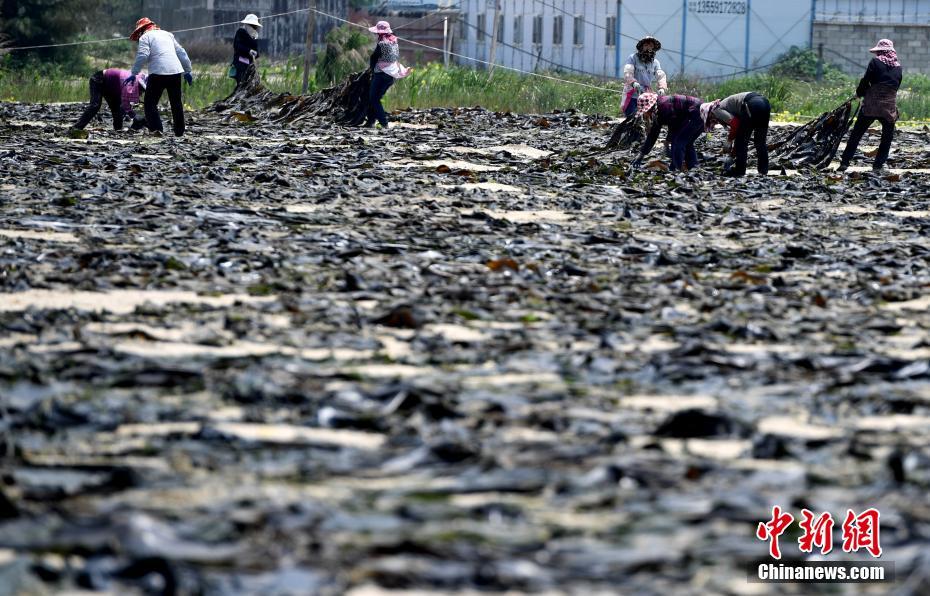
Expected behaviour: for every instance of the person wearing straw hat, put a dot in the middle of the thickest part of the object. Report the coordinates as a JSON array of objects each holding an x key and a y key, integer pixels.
[
  {"x": 245, "y": 47},
  {"x": 746, "y": 115},
  {"x": 879, "y": 92},
  {"x": 386, "y": 68},
  {"x": 642, "y": 73},
  {"x": 166, "y": 61},
  {"x": 109, "y": 85},
  {"x": 682, "y": 115}
]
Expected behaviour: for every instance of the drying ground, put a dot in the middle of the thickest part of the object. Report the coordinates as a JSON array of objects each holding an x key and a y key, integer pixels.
[{"x": 465, "y": 353}]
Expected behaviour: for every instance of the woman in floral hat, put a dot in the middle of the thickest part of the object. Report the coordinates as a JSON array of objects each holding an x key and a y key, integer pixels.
[
  {"x": 682, "y": 115},
  {"x": 386, "y": 69},
  {"x": 879, "y": 92}
]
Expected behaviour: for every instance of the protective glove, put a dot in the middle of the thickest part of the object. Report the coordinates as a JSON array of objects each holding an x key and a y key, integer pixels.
[
  {"x": 637, "y": 164},
  {"x": 253, "y": 53},
  {"x": 662, "y": 91},
  {"x": 637, "y": 86},
  {"x": 189, "y": 78},
  {"x": 129, "y": 80}
]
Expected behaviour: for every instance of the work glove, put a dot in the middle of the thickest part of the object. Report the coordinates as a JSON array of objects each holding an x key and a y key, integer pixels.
[
  {"x": 637, "y": 86},
  {"x": 189, "y": 78},
  {"x": 129, "y": 80},
  {"x": 253, "y": 53},
  {"x": 662, "y": 91}
]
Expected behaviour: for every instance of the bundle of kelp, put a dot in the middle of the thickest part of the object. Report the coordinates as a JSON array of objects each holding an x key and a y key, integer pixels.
[
  {"x": 346, "y": 103},
  {"x": 627, "y": 134},
  {"x": 816, "y": 143}
]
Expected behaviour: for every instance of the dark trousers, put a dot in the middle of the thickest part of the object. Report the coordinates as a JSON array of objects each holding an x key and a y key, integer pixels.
[
  {"x": 753, "y": 124},
  {"x": 241, "y": 71},
  {"x": 157, "y": 84},
  {"x": 630, "y": 108},
  {"x": 96, "y": 99},
  {"x": 380, "y": 83},
  {"x": 862, "y": 124},
  {"x": 683, "y": 138}
]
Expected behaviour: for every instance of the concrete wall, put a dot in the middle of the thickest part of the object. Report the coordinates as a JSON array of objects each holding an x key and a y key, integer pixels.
[
  {"x": 847, "y": 44},
  {"x": 700, "y": 38}
]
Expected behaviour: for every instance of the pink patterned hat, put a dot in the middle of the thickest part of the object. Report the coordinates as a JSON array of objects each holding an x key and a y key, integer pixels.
[
  {"x": 645, "y": 102},
  {"x": 382, "y": 28},
  {"x": 884, "y": 45}
]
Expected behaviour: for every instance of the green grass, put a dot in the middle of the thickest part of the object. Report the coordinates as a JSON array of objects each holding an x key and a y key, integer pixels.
[{"x": 506, "y": 91}]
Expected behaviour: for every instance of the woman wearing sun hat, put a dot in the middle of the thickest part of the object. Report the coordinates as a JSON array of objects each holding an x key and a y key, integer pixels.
[
  {"x": 642, "y": 73},
  {"x": 245, "y": 46},
  {"x": 879, "y": 91},
  {"x": 166, "y": 61},
  {"x": 682, "y": 115},
  {"x": 386, "y": 68}
]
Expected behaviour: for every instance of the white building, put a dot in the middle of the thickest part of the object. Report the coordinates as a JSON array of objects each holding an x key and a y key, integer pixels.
[{"x": 699, "y": 37}]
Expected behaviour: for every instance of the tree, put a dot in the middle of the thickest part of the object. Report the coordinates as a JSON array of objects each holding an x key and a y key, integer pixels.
[{"x": 44, "y": 22}]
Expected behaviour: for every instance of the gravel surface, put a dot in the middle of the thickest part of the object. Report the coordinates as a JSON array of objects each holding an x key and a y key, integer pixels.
[{"x": 466, "y": 354}]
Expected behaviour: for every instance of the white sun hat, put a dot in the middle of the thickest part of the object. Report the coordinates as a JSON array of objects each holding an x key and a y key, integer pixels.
[{"x": 251, "y": 19}]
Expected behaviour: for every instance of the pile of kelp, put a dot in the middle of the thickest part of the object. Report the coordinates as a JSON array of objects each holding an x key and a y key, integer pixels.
[
  {"x": 627, "y": 134},
  {"x": 460, "y": 355},
  {"x": 815, "y": 143},
  {"x": 346, "y": 103}
]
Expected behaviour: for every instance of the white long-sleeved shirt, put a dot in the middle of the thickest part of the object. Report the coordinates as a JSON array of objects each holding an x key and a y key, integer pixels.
[
  {"x": 163, "y": 54},
  {"x": 650, "y": 76}
]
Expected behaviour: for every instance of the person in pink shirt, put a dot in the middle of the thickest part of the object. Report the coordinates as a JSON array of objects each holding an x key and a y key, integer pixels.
[{"x": 110, "y": 85}]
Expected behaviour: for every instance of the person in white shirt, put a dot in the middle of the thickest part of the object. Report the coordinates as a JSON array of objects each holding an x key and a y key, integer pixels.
[
  {"x": 642, "y": 73},
  {"x": 166, "y": 61}
]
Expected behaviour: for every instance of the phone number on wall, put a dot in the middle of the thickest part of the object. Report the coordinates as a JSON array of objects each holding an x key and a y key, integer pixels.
[{"x": 717, "y": 7}]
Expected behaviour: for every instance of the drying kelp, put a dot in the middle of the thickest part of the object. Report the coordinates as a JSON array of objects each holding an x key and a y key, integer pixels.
[
  {"x": 815, "y": 143},
  {"x": 346, "y": 103},
  {"x": 455, "y": 356},
  {"x": 627, "y": 134}
]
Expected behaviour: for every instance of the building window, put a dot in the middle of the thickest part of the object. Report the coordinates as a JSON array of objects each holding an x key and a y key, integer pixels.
[
  {"x": 611, "y": 32},
  {"x": 500, "y": 29},
  {"x": 537, "y": 29},
  {"x": 518, "y": 30},
  {"x": 578, "y": 37},
  {"x": 463, "y": 27},
  {"x": 557, "y": 27},
  {"x": 482, "y": 23}
]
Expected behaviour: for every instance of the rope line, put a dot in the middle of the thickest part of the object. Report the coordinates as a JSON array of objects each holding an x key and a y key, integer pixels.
[
  {"x": 416, "y": 43},
  {"x": 480, "y": 61},
  {"x": 628, "y": 36},
  {"x": 112, "y": 39}
]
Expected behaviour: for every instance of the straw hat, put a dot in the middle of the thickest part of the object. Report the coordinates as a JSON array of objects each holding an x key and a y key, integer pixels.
[
  {"x": 142, "y": 25},
  {"x": 251, "y": 19},
  {"x": 645, "y": 102},
  {"x": 648, "y": 38},
  {"x": 884, "y": 45},
  {"x": 382, "y": 28}
]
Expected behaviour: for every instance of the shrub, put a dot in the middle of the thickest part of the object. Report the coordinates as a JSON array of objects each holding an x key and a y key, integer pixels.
[
  {"x": 347, "y": 51},
  {"x": 801, "y": 64}
]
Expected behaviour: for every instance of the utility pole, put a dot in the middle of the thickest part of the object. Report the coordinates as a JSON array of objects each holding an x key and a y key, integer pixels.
[
  {"x": 819, "y": 62},
  {"x": 497, "y": 14},
  {"x": 308, "y": 51},
  {"x": 445, "y": 42}
]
